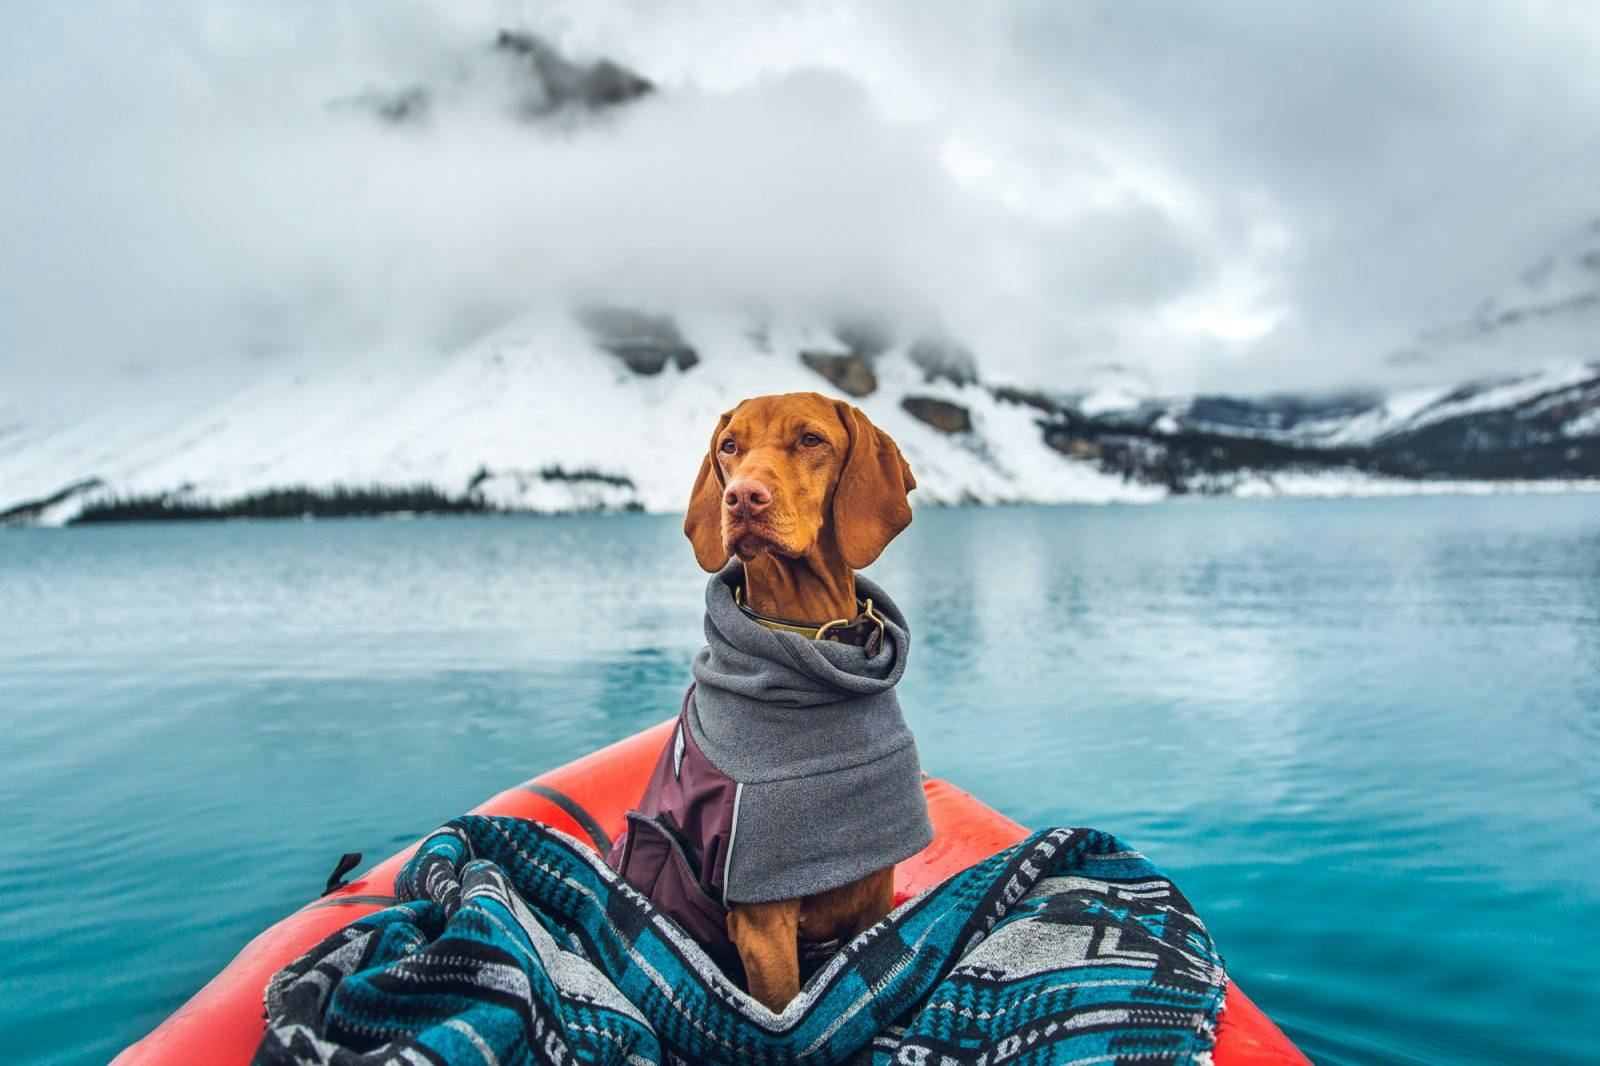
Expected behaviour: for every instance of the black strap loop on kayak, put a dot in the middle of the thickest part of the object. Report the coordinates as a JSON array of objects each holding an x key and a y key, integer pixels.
[
  {"x": 574, "y": 810},
  {"x": 346, "y": 863}
]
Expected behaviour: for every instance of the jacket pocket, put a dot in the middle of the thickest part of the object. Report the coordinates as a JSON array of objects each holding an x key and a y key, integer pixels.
[{"x": 656, "y": 862}]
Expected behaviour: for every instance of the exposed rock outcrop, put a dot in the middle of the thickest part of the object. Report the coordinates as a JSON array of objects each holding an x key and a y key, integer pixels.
[
  {"x": 1029, "y": 398},
  {"x": 560, "y": 82},
  {"x": 865, "y": 337},
  {"x": 646, "y": 343},
  {"x": 543, "y": 84},
  {"x": 851, "y": 371},
  {"x": 851, "y": 374},
  {"x": 942, "y": 415},
  {"x": 941, "y": 358}
]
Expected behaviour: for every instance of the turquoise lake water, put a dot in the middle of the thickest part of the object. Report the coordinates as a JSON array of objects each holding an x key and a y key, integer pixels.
[{"x": 1363, "y": 736}]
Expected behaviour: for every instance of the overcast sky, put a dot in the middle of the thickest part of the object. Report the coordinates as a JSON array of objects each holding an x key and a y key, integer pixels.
[{"x": 1241, "y": 195}]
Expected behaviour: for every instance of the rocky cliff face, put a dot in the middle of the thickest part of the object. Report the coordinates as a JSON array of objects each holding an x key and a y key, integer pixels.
[
  {"x": 528, "y": 75},
  {"x": 558, "y": 82}
]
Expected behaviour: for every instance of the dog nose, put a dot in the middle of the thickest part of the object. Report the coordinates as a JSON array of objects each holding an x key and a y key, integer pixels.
[{"x": 747, "y": 496}]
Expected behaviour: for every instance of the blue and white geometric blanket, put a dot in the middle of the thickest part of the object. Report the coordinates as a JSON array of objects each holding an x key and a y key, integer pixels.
[{"x": 517, "y": 944}]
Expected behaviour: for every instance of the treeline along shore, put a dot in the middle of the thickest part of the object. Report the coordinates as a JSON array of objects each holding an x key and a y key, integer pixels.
[{"x": 294, "y": 502}]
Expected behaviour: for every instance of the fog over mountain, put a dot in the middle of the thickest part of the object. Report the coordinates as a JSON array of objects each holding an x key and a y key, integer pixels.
[
  {"x": 1246, "y": 196},
  {"x": 255, "y": 245}
]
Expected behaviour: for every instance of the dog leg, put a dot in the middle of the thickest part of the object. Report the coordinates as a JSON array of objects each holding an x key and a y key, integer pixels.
[{"x": 767, "y": 936}]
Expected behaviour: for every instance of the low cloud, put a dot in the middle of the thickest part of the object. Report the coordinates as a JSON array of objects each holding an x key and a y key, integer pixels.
[{"x": 1246, "y": 197}]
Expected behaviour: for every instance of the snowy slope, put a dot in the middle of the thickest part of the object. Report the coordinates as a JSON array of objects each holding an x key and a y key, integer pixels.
[
  {"x": 536, "y": 397},
  {"x": 539, "y": 416},
  {"x": 1415, "y": 409}
]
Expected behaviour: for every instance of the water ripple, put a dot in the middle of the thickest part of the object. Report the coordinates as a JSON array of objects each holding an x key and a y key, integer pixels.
[{"x": 1364, "y": 736}]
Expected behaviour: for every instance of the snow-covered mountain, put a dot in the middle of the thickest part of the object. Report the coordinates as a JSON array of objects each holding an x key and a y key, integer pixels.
[
  {"x": 546, "y": 414},
  {"x": 1542, "y": 423},
  {"x": 1550, "y": 405},
  {"x": 607, "y": 406},
  {"x": 610, "y": 409}
]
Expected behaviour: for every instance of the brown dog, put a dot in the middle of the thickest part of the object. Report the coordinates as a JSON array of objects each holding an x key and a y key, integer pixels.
[{"x": 804, "y": 490}]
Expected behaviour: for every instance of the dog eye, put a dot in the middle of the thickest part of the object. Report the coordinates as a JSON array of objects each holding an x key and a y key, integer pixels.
[
  {"x": 728, "y": 447},
  {"x": 811, "y": 440}
]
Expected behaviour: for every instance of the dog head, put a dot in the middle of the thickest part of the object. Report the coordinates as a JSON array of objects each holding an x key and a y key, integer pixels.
[{"x": 781, "y": 470}]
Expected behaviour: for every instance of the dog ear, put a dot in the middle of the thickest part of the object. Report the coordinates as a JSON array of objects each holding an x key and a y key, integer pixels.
[
  {"x": 702, "y": 523},
  {"x": 870, "y": 505}
]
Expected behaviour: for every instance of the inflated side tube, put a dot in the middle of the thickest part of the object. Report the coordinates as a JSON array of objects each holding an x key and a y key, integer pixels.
[{"x": 589, "y": 798}]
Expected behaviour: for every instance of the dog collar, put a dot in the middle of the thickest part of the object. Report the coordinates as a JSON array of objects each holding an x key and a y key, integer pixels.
[{"x": 865, "y": 630}]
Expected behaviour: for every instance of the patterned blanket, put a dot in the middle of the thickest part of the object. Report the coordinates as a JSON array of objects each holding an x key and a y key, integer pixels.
[{"x": 516, "y": 944}]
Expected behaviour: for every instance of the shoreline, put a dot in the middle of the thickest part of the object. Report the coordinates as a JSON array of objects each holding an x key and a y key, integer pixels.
[{"x": 333, "y": 504}]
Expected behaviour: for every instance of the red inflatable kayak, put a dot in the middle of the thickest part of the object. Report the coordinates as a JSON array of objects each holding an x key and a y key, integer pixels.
[{"x": 588, "y": 798}]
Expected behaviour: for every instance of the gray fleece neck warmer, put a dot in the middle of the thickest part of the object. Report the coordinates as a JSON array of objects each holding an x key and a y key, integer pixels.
[{"x": 829, "y": 781}]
